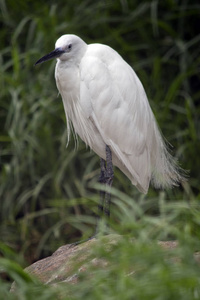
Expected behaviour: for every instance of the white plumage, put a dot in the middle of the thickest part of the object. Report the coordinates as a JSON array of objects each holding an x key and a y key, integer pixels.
[{"x": 106, "y": 103}]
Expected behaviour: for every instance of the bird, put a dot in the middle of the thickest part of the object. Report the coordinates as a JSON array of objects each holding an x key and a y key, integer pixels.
[{"x": 107, "y": 106}]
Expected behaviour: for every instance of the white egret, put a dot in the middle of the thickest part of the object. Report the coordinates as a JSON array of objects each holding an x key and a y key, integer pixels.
[{"x": 106, "y": 103}]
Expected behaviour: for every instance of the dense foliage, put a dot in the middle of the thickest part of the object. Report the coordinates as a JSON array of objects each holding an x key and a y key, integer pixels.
[{"x": 47, "y": 192}]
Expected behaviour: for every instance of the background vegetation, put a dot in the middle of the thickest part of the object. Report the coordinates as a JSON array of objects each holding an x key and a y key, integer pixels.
[{"x": 47, "y": 191}]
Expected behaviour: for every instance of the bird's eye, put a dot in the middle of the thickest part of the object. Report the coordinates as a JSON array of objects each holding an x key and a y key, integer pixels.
[{"x": 69, "y": 46}]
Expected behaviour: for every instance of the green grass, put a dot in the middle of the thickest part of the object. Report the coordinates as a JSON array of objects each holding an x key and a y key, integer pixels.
[
  {"x": 133, "y": 266},
  {"x": 46, "y": 189}
]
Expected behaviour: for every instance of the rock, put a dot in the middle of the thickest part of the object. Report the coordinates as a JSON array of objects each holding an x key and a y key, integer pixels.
[
  {"x": 59, "y": 266},
  {"x": 69, "y": 261}
]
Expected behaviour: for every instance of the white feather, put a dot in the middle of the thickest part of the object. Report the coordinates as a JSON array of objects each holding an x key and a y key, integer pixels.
[{"x": 107, "y": 104}]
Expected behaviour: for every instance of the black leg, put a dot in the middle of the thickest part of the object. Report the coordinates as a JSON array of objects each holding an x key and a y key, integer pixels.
[
  {"x": 106, "y": 178},
  {"x": 108, "y": 181},
  {"x": 102, "y": 193},
  {"x": 102, "y": 180}
]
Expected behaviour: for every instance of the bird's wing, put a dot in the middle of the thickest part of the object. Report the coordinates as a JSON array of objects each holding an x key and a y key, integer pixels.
[{"x": 112, "y": 95}]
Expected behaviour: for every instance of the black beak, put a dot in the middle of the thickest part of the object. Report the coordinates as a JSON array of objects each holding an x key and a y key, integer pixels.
[{"x": 56, "y": 53}]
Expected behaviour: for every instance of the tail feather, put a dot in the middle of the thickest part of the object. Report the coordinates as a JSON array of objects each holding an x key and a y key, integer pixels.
[{"x": 166, "y": 172}]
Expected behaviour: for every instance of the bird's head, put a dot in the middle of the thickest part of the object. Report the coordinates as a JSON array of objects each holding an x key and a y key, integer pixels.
[{"x": 68, "y": 47}]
